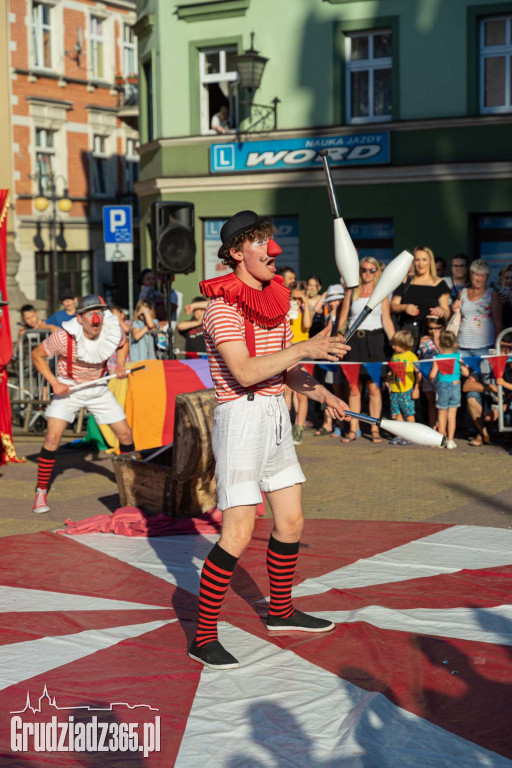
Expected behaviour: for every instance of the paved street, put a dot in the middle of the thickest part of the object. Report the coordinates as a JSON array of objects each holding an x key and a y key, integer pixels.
[{"x": 353, "y": 482}]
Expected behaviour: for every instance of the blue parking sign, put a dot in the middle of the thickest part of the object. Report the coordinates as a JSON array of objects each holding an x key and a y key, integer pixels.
[{"x": 117, "y": 224}]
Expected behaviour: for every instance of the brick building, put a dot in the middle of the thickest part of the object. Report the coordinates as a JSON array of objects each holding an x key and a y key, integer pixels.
[{"x": 74, "y": 117}]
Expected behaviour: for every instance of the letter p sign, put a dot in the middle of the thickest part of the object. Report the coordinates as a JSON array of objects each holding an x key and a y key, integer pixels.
[{"x": 117, "y": 218}]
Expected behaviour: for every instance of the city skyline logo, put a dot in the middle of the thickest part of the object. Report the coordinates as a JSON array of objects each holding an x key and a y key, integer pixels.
[{"x": 50, "y": 702}]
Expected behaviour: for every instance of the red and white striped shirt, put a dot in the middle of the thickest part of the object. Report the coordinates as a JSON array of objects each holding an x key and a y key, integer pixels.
[
  {"x": 57, "y": 344},
  {"x": 223, "y": 322}
]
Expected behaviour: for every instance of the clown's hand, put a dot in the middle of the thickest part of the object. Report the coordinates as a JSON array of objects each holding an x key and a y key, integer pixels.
[{"x": 121, "y": 372}]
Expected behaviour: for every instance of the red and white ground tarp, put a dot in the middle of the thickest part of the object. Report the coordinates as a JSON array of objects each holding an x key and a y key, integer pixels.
[{"x": 417, "y": 672}]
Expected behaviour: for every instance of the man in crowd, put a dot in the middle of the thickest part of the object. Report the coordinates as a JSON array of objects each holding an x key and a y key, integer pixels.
[
  {"x": 83, "y": 345},
  {"x": 248, "y": 340}
]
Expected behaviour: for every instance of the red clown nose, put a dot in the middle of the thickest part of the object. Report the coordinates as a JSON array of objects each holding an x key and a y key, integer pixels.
[
  {"x": 273, "y": 249},
  {"x": 96, "y": 319}
]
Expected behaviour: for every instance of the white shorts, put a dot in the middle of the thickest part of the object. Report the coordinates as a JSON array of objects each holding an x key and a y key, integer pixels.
[
  {"x": 253, "y": 448},
  {"x": 98, "y": 399}
]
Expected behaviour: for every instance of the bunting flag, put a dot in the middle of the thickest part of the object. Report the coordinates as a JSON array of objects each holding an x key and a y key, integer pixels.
[
  {"x": 399, "y": 369},
  {"x": 424, "y": 367},
  {"x": 328, "y": 366},
  {"x": 151, "y": 395},
  {"x": 308, "y": 368},
  {"x": 498, "y": 365},
  {"x": 446, "y": 366},
  {"x": 374, "y": 371},
  {"x": 351, "y": 371},
  {"x": 472, "y": 361}
]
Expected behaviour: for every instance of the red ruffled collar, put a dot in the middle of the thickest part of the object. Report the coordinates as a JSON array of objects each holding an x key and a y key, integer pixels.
[{"x": 268, "y": 307}]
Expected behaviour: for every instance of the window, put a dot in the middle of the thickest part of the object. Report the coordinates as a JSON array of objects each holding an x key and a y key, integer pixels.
[
  {"x": 372, "y": 237},
  {"x": 129, "y": 51},
  {"x": 45, "y": 159},
  {"x": 496, "y": 64},
  {"x": 131, "y": 165},
  {"x": 96, "y": 41},
  {"x": 99, "y": 166},
  {"x": 218, "y": 83},
  {"x": 148, "y": 79},
  {"x": 494, "y": 242},
  {"x": 41, "y": 36},
  {"x": 368, "y": 76},
  {"x": 74, "y": 271}
]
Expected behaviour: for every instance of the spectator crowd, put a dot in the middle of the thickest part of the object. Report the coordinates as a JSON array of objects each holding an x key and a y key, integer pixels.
[{"x": 426, "y": 353}]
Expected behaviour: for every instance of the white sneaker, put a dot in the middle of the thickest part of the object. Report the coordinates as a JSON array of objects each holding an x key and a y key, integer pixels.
[
  {"x": 40, "y": 503},
  {"x": 451, "y": 444}
]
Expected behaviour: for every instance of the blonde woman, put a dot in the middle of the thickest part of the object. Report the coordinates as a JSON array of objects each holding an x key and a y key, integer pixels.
[
  {"x": 142, "y": 340},
  {"x": 369, "y": 342},
  {"x": 425, "y": 294}
]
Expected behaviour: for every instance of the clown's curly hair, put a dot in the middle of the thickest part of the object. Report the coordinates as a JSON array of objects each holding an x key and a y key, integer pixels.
[{"x": 263, "y": 232}]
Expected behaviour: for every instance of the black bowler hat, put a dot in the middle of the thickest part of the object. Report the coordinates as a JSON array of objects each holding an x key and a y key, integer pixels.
[
  {"x": 243, "y": 221},
  {"x": 90, "y": 302}
]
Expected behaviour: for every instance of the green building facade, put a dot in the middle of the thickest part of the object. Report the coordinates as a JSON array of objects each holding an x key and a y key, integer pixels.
[{"x": 413, "y": 98}]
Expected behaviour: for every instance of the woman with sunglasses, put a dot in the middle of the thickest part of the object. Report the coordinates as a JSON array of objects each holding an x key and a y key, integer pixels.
[
  {"x": 430, "y": 346},
  {"x": 368, "y": 343}
]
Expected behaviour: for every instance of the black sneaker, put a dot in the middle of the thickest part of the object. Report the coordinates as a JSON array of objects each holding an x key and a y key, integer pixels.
[
  {"x": 298, "y": 621},
  {"x": 213, "y": 655}
]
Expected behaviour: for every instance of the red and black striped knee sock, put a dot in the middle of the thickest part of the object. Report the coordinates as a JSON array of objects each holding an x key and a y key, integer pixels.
[
  {"x": 281, "y": 562},
  {"x": 215, "y": 578},
  {"x": 45, "y": 464}
]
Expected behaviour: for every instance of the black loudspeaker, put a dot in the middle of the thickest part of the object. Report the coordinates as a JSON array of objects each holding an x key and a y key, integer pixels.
[{"x": 172, "y": 234}]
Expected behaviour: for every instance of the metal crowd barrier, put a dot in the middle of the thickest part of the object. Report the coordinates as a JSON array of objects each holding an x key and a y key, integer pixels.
[{"x": 30, "y": 394}]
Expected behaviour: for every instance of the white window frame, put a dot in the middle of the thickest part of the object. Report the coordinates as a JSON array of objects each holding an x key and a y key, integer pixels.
[
  {"x": 37, "y": 28},
  {"x": 96, "y": 40},
  {"x": 131, "y": 159},
  {"x": 222, "y": 76},
  {"x": 129, "y": 48},
  {"x": 47, "y": 150},
  {"x": 99, "y": 154},
  {"x": 495, "y": 51},
  {"x": 370, "y": 65}
]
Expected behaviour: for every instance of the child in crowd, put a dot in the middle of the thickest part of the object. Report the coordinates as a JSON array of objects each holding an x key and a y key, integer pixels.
[
  {"x": 448, "y": 393},
  {"x": 403, "y": 391},
  {"x": 192, "y": 330},
  {"x": 125, "y": 324},
  {"x": 301, "y": 319},
  {"x": 430, "y": 346},
  {"x": 330, "y": 301},
  {"x": 144, "y": 327}
]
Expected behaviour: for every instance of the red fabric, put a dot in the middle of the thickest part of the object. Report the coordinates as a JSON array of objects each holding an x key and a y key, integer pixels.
[
  {"x": 399, "y": 369},
  {"x": 446, "y": 367},
  {"x": 5, "y": 323},
  {"x": 131, "y": 521},
  {"x": 308, "y": 367},
  {"x": 498, "y": 365},
  {"x": 267, "y": 307},
  {"x": 178, "y": 379},
  {"x": 351, "y": 371}
]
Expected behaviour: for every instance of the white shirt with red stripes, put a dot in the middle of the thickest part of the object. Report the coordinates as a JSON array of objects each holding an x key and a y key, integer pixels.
[
  {"x": 57, "y": 344},
  {"x": 223, "y": 323}
]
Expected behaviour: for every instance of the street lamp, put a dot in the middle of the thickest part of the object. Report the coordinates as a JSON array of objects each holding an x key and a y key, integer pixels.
[
  {"x": 64, "y": 204},
  {"x": 250, "y": 66}
]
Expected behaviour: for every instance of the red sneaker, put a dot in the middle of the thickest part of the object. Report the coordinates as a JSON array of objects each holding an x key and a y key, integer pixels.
[{"x": 40, "y": 503}]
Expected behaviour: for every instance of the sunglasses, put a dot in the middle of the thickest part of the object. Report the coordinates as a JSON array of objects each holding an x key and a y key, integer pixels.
[
  {"x": 435, "y": 327},
  {"x": 372, "y": 270}
]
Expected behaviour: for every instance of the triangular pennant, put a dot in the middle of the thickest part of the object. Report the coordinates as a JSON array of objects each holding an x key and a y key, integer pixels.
[
  {"x": 308, "y": 367},
  {"x": 374, "y": 371},
  {"x": 327, "y": 366},
  {"x": 472, "y": 361},
  {"x": 399, "y": 369},
  {"x": 446, "y": 366},
  {"x": 498, "y": 365},
  {"x": 351, "y": 371},
  {"x": 424, "y": 366}
]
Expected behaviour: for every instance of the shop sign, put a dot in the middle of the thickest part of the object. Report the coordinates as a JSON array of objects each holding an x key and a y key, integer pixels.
[{"x": 294, "y": 154}]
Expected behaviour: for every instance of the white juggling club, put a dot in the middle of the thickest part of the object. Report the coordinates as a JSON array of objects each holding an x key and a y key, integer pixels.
[
  {"x": 415, "y": 433},
  {"x": 393, "y": 276},
  {"x": 345, "y": 252},
  {"x": 102, "y": 380}
]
